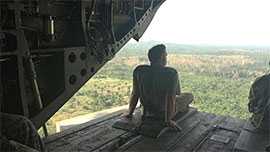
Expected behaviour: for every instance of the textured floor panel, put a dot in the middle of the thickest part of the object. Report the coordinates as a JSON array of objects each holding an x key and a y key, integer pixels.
[{"x": 196, "y": 136}]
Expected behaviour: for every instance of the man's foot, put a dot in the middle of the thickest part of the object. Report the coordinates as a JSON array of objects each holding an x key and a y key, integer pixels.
[{"x": 127, "y": 115}]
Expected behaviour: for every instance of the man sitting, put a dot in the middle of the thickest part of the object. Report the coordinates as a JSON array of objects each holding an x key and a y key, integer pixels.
[
  {"x": 158, "y": 89},
  {"x": 259, "y": 105}
]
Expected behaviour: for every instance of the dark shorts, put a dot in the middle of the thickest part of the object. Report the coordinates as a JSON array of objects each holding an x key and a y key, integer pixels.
[{"x": 181, "y": 104}]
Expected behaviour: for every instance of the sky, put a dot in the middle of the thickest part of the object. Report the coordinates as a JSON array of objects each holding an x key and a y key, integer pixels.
[{"x": 211, "y": 22}]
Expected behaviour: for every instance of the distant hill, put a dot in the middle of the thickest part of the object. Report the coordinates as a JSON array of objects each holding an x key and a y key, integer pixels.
[{"x": 141, "y": 48}]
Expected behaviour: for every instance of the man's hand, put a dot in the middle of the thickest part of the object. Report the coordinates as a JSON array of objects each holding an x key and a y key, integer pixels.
[
  {"x": 128, "y": 115},
  {"x": 173, "y": 124}
]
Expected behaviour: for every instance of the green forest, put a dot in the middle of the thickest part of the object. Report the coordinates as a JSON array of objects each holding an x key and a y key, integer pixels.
[{"x": 218, "y": 76}]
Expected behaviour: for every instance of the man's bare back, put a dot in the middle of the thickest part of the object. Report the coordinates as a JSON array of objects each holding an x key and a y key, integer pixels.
[{"x": 158, "y": 88}]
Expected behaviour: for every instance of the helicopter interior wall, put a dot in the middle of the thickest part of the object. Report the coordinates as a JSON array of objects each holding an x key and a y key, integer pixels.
[
  {"x": 1, "y": 88},
  {"x": 54, "y": 47},
  {"x": 11, "y": 91}
]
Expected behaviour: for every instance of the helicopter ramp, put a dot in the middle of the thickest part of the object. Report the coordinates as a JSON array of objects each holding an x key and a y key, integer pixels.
[{"x": 201, "y": 132}]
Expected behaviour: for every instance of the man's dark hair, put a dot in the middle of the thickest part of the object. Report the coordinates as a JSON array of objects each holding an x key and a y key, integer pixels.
[{"x": 155, "y": 53}]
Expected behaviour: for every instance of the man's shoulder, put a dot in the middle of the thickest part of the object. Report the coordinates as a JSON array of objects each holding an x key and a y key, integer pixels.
[
  {"x": 141, "y": 68},
  {"x": 264, "y": 77},
  {"x": 170, "y": 70},
  {"x": 262, "y": 80},
  {"x": 261, "y": 83},
  {"x": 165, "y": 70}
]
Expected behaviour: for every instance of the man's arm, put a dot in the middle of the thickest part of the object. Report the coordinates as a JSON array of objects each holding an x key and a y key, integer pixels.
[
  {"x": 170, "y": 107},
  {"x": 178, "y": 88},
  {"x": 170, "y": 113},
  {"x": 251, "y": 100},
  {"x": 173, "y": 90},
  {"x": 132, "y": 104},
  {"x": 135, "y": 95}
]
